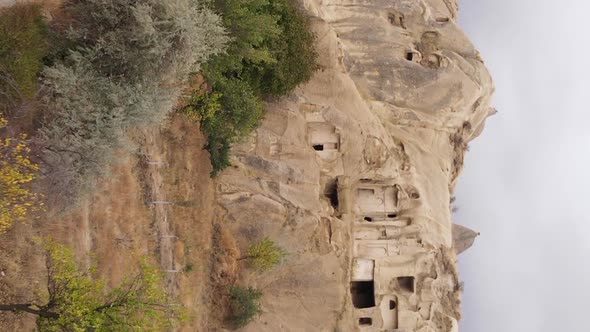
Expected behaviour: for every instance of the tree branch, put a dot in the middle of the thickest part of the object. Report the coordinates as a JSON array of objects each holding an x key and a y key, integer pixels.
[{"x": 28, "y": 307}]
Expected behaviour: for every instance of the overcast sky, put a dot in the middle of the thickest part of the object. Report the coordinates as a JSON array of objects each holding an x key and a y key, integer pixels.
[{"x": 526, "y": 182}]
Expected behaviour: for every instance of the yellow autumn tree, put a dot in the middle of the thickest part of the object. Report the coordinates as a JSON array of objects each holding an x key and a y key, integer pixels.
[{"x": 16, "y": 172}]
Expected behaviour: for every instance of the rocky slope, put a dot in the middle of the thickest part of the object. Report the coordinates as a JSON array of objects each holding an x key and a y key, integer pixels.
[{"x": 353, "y": 173}]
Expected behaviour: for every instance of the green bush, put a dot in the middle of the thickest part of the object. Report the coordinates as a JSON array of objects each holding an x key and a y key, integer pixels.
[
  {"x": 241, "y": 108},
  {"x": 272, "y": 51},
  {"x": 264, "y": 254},
  {"x": 244, "y": 305},
  {"x": 273, "y": 46},
  {"x": 229, "y": 113},
  {"x": 293, "y": 52},
  {"x": 219, "y": 148},
  {"x": 125, "y": 68},
  {"x": 23, "y": 45}
]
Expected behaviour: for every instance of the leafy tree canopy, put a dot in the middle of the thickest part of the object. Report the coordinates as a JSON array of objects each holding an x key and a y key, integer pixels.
[
  {"x": 77, "y": 301},
  {"x": 271, "y": 53}
]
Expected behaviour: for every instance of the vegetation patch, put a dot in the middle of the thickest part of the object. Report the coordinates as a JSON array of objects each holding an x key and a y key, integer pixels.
[
  {"x": 271, "y": 53},
  {"x": 16, "y": 172},
  {"x": 124, "y": 67},
  {"x": 244, "y": 305},
  {"x": 23, "y": 44},
  {"x": 264, "y": 254}
]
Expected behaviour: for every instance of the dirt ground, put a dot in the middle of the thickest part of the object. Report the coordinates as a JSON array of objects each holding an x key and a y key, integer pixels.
[{"x": 159, "y": 203}]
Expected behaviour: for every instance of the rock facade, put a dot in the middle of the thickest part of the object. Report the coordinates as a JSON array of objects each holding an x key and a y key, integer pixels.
[{"x": 353, "y": 173}]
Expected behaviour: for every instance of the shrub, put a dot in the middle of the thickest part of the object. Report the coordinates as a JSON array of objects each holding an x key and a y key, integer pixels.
[
  {"x": 241, "y": 109},
  {"x": 264, "y": 254},
  {"x": 126, "y": 69},
  {"x": 244, "y": 305},
  {"x": 23, "y": 45},
  {"x": 205, "y": 106},
  {"x": 16, "y": 171},
  {"x": 229, "y": 113},
  {"x": 219, "y": 148},
  {"x": 273, "y": 46}
]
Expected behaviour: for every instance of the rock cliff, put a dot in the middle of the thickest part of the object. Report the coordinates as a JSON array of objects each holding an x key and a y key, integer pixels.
[{"x": 353, "y": 173}]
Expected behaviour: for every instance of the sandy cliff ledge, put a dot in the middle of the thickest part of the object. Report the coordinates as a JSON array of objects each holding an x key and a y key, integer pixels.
[{"x": 353, "y": 173}]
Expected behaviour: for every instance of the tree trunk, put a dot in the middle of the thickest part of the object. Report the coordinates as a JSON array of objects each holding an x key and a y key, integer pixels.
[{"x": 27, "y": 307}]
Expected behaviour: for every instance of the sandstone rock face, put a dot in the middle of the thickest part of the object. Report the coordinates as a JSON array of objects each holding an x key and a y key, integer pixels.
[{"x": 352, "y": 173}]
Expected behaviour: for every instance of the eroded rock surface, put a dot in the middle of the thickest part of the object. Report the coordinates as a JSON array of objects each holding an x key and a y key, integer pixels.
[
  {"x": 463, "y": 238},
  {"x": 352, "y": 174}
]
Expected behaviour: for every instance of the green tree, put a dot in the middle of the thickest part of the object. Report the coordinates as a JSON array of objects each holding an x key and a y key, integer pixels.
[
  {"x": 264, "y": 254},
  {"x": 271, "y": 52},
  {"x": 244, "y": 305},
  {"x": 294, "y": 53},
  {"x": 272, "y": 48},
  {"x": 75, "y": 301},
  {"x": 229, "y": 113}
]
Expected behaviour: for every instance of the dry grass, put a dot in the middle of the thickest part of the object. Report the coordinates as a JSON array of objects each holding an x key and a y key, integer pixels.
[{"x": 186, "y": 179}]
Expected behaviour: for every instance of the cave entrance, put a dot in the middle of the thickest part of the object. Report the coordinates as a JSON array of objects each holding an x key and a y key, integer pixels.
[
  {"x": 324, "y": 139},
  {"x": 331, "y": 192},
  {"x": 363, "y": 294},
  {"x": 365, "y": 321},
  {"x": 406, "y": 283}
]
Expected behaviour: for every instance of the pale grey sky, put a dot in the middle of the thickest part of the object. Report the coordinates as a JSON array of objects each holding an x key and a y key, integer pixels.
[{"x": 526, "y": 183}]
